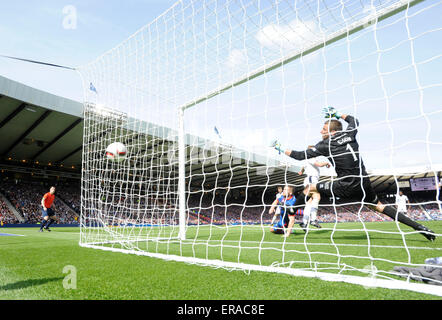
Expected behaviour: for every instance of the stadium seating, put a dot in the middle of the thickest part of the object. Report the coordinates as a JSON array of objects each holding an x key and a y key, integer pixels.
[
  {"x": 6, "y": 216},
  {"x": 26, "y": 198}
]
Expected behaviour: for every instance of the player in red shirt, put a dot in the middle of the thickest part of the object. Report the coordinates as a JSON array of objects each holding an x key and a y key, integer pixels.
[{"x": 47, "y": 209}]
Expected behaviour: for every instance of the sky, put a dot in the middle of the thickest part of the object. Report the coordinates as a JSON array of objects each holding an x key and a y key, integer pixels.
[
  {"x": 45, "y": 30},
  {"x": 388, "y": 75}
]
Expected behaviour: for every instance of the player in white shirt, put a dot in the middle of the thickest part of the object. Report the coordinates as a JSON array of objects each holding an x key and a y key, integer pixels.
[
  {"x": 311, "y": 169},
  {"x": 401, "y": 202},
  {"x": 278, "y": 209}
]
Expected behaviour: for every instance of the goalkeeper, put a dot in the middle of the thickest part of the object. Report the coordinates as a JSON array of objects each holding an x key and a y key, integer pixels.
[{"x": 352, "y": 182}]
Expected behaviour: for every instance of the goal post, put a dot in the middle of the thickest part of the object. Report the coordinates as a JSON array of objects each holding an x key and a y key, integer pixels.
[
  {"x": 197, "y": 95},
  {"x": 182, "y": 176}
]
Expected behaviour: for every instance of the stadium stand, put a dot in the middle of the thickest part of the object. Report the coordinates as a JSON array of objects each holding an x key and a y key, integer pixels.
[
  {"x": 220, "y": 213},
  {"x": 6, "y": 216},
  {"x": 26, "y": 198}
]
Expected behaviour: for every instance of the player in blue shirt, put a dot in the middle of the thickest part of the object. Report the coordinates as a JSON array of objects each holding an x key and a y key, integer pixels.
[{"x": 287, "y": 214}]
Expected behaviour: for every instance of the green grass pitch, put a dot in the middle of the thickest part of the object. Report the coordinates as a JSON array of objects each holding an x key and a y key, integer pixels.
[{"x": 31, "y": 266}]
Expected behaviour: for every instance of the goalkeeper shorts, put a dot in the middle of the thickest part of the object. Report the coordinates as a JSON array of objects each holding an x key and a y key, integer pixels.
[{"x": 351, "y": 188}]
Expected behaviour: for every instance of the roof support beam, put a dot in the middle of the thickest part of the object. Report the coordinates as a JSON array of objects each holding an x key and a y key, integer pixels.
[
  {"x": 380, "y": 183},
  {"x": 28, "y": 131},
  {"x": 70, "y": 154},
  {"x": 62, "y": 134},
  {"x": 390, "y": 184},
  {"x": 376, "y": 179},
  {"x": 12, "y": 115}
]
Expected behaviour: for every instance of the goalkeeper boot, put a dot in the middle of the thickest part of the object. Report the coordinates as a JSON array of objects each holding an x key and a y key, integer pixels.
[
  {"x": 47, "y": 229},
  {"x": 427, "y": 233},
  {"x": 316, "y": 224}
]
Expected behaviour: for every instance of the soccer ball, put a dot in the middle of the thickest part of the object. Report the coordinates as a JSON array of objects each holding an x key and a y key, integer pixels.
[{"x": 116, "y": 152}]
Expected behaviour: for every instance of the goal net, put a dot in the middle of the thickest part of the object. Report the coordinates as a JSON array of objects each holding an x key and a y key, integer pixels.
[{"x": 197, "y": 95}]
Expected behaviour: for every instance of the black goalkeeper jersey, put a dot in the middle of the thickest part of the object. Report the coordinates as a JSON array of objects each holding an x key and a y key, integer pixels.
[{"x": 342, "y": 150}]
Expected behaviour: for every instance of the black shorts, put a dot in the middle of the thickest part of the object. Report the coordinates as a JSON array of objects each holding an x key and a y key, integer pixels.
[
  {"x": 48, "y": 212},
  {"x": 351, "y": 188}
]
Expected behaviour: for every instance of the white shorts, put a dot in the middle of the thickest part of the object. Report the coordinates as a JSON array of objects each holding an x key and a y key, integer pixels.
[
  {"x": 310, "y": 180},
  {"x": 278, "y": 210}
]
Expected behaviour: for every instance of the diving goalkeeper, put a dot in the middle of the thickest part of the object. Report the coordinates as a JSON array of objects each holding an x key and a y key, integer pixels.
[{"x": 352, "y": 182}]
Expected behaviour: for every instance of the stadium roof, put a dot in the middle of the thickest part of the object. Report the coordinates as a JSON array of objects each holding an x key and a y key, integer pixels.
[
  {"x": 39, "y": 128},
  {"x": 45, "y": 131}
]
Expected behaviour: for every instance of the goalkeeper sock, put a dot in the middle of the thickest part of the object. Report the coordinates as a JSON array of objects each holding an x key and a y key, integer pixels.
[{"x": 392, "y": 213}]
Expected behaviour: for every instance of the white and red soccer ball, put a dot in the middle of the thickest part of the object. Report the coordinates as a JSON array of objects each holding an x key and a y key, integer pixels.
[{"x": 116, "y": 152}]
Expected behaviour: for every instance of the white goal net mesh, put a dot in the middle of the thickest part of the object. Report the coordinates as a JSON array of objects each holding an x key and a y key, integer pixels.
[{"x": 197, "y": 95}]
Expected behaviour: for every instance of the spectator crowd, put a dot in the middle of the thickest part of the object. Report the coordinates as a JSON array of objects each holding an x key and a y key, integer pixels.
[{"x": 26, "y": 197}]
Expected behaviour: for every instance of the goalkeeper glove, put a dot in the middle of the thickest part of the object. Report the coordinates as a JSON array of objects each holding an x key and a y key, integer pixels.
[
  {"x": 277, "y": 145},
  {"x": 330, "y": 112}
]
